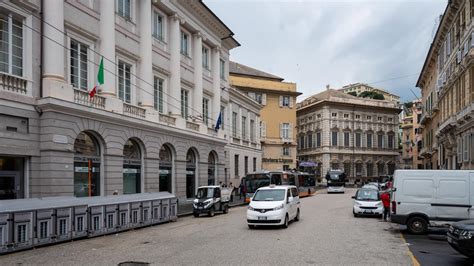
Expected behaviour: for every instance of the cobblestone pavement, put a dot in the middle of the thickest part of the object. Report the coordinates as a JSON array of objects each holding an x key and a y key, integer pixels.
[{"x": 327, "y": 234}]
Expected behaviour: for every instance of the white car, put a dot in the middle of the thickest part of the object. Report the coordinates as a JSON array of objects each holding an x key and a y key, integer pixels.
[
  {"x": 367, "y": 202},
  {"x": 274, "y": 205}
]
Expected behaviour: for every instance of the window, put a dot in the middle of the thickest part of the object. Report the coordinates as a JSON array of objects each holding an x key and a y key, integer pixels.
[
  {"x": 80, "y": 224},
  {"x": 244, "y": 127},
  {"x": 124, "y": 80},
  {"x": 285, "y": 131},
  {"x": 135, "y": 217},
  {"x": 123, "y": 8},
  {"x": 334, "y": 114},
  {"x": 205, "y": 57},
  {"x": 11, "y": 45},
  {"x": 205, "y": 111},
  {"x": 96, "y": 223},
  {"x": 222, "y": 116},
  {"x": 318, "y": 139},
  {"x": 110, "y": 221},
  {"x": 369, "y": 140},
  {"x": 21, "y": 233},
  {"x": 369, "y": 117},
  {"x": 466, "y": 148},
  {"x": 252, "y": 130},
  {"x": 310, "y": 140},
  {"x": 184, "y": 103},
  {"x": 286, "y": 151},
  {"x": 234, "y": 124},
  {"x": 357, "y": 116},
  {"x": 258, "y": 97},
  {"x": 254, "y": 164},
  {"x": 236, "y": 165},
  {"x": 285, "y": 101},
  {"x": 358, "y": 140},
  {"x": 390, "y": 119},
  {"x": 145, "y": 215},
  {"x": 379, "y": 118},
  {"x": 158, "y": 95},
  {"x": 184, "y": 43},
  {"x": 62, "y": 227},
  {"x": 380, "y": 140},
  {"x": 346, "y": 139},
  {"x": 78, "y": 66},
  {"x": 318, "y": 116},
  {"x": 346, "y": 115},
  {"x": 390, "y": 141},
  {"x": 158, "y": 26},
  {"x": 246, "y": 164},
  {"x": 123, "y": 218},
  {"x": 222, "y": 69},
  {"x": 334, "y": 138},
  {"x": 43, "y": 230}
]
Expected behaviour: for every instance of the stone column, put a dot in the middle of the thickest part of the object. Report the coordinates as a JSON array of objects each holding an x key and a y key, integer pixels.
[
  {"x": 216, "y": 84},
  {"x": 53, "y": 42},
  {"x": 197, "y": 60},
  {"x": 174, "y": 98},
  {"x": 146, "y": 66},
  {"x": 107, "y": 45}
]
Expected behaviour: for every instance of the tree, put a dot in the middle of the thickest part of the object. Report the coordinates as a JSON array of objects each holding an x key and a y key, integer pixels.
[
  {"x": 353, "y": 93},
  {"x": 372, "y": 95},
  {"x": 378, "y": 96},
  {"x": 408, "y": 105}
]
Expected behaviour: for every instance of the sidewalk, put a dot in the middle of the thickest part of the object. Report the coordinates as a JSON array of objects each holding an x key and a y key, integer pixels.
[{"x": 187, "y": 207}]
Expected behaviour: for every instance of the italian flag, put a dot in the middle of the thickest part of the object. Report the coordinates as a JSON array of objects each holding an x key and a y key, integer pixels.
[{"x": 100, "y": 79}]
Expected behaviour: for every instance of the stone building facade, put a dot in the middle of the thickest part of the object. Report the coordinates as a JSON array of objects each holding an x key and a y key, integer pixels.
[
  {"x": 412, "y": 137},
  {"x": 446, "y": 83},
  {"x": 340, "y": 131},
  {"x": 151, "y": 125}
]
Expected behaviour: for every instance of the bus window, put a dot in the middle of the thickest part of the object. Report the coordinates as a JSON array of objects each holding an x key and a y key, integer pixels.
[
  {"x": 276, "y": 179},
  {"x": 291, "y": 180}
]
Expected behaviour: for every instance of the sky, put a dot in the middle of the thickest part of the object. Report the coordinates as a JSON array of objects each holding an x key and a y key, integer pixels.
[{"x": 314, "y": 43}]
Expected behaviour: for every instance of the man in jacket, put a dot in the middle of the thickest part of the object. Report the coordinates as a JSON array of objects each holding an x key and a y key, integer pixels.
[{"x": 386, "y": 204}]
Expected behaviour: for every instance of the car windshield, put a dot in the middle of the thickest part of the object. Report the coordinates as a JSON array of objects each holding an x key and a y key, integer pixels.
[
  {"x": 205, "y": 193},
  {"x": 367, "y": 195},
  {"x": 269, "y": 195}
]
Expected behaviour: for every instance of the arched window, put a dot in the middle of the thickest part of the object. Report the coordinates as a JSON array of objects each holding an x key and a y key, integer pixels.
[
  {"x": 380, "y": 168},
  {"x": 391, "y": 168},
  {"x": 211, "y": 169},
  {"x": 190, "y": 173},
  {"x": 87, "y": 157},
  {"x": 347, "y": 169},
  {"x": 166, "y": 168},
  {"x": 132, "y": 167},
  {"x": 370, "y": 169}
]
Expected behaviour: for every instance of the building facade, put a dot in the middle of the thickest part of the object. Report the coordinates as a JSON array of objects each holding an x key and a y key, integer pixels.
[
  {"x": 340, "y": 131},
  {"x": 446, "y": 84},
  {"x": 244, "y": 153},
  {"x": 411, "y": 141},
  {"x": 278, "y": 115},
  {"x": 151, "y": 125},
  {"x": 361, "y": 87}
]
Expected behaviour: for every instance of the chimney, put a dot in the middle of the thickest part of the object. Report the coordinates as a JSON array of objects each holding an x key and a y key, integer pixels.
[{"x": 327, "y": 87}]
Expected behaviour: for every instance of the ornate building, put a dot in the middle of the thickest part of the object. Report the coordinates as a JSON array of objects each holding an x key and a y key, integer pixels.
[{"x": 338, "y": 130}]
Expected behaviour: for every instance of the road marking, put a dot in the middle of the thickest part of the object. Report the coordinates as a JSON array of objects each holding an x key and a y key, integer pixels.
[{"x": 410, "y": 254}]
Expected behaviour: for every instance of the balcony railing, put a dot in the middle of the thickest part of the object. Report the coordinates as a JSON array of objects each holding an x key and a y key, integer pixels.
[
  {"x": 193, "y": 126},
  {"x": 82, "y": 97},
  {"x": 134, "y": 111},
  {"x": 168, "y": 119},
  {"x": 13, "y": 83}
]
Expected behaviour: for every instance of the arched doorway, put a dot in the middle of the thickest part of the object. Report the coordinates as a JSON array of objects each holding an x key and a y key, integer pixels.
[
  {"x": 132, "y": 167},
  {"x": 211, "y": 169},
  {"x": 166, "y": 169},
  {"x": 391, "y": 168},
  {"x": 87, "y": 159},
  {"x": 380, "y": 168},
  {"x": 190, "y": 173}
]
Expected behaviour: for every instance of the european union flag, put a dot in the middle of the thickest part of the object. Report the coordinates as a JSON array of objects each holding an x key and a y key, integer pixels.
[{"x": 219, "y": 122}]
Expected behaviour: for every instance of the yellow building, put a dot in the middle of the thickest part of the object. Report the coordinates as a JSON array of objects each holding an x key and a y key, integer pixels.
[
  {"x": 278, "y": 115},
  {"x": 412, "y": 137}
]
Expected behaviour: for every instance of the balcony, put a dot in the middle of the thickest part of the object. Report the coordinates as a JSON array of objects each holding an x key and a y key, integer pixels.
[
  {"x": 133, "y": 111},
  {"x": 82, "y": 97},
  {"x": 13, "y": 83},
  {"x": 447, "y": 125},
  {"x": 167, "y": 119},
  {"x": 192, "y": 126},
  {"x": 425, "y": 117}
]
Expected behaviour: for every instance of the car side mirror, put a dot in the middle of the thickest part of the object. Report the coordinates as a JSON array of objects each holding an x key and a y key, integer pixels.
[{"x": 289, "y": 199}]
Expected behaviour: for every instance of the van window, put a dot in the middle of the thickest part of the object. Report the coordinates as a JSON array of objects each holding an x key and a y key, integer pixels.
[
  {"x": 420, "y": 188},
  {"x": 288, "y": 193},
  {"x": 294, "y": 191},
  {"x": 452, "y": 189}
]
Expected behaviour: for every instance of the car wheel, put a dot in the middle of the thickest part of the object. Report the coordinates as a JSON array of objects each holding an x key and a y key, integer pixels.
[
  {"x": 285, "y": 224},
  {"x": 196, "y": 214},
  {"x": 417, "y": 225},
  {"x": 297, "y": 218},
  {"x": 226, "y": 209},
  {"x": 212, "y": 212}
]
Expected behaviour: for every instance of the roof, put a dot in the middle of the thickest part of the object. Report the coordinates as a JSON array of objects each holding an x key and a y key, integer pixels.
[
  {"x": 326, "y": 94},
  {"x": 239, "y": 69}
]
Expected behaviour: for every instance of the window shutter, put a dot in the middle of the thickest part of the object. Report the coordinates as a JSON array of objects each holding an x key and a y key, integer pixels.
[
  {"x": 264, "y": 99},
  {"x": 281, "y": 101},
  {"x": 290, "y": 132},
  {"x": 281, "y": 130},
  {"x": 291, "y": 102},
  {"x": 459, "y": 147},
  {"x": 264, "y": 129},
  {"x": 466, "y": 148}
]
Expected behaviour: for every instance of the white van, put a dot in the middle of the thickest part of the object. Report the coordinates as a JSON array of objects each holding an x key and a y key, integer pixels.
[{"x": 432, "y": 197}]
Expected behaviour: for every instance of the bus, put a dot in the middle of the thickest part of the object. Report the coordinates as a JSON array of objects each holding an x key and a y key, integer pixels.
[
  {"x": 336, "y": 180},
  {"x": 306, "y": 183}
]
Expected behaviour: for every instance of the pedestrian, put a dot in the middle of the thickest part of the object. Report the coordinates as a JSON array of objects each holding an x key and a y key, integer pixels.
[
  {"x": 386, "y": 205},
  {"x": 241, "y": 189}
]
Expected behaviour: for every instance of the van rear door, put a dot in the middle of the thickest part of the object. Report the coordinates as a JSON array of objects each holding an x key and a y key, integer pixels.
[
  {"x": 452, "y": 200},
  {"x": 471, "y": 187}
]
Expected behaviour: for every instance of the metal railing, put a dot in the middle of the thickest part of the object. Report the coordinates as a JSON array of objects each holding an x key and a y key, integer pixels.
[
  {"x": 82, "y": 97},
  {"x": 132, "y": 110},
  {"x": 13, "y": 83}
]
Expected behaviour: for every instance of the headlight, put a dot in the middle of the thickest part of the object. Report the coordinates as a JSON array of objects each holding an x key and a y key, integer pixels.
[
  {"x": 196, "y": 200},
  {"x": 465, "y": 235},
  {"x": 357, "y": 203},
  {"x": 251, "y": 208},
  {"x": 207, "y": 203},
  {"x": 329, "y": 181},
  {"x": 380, "y": 204},
  {"x": 279, "y": 207}
]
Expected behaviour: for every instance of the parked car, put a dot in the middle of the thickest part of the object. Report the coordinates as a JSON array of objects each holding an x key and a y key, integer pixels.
[
  {"x": 431, "y": 197},
  {"x": 274, "y": 205},
  {"x": 461, "y": 237},
  {"x": 210, "y": 199},
  {"x": 367, "y": 202}
]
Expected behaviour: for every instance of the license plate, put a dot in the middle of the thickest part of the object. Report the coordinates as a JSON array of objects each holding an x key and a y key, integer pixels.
[
  {"x": 262, "y": 217},
  {"x": 368, "y": 212},
  {"x": 199, "y": 207}
]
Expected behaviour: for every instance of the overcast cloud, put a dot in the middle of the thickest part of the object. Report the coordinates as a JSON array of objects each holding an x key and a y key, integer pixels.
[{"x": 314, "y": 43}]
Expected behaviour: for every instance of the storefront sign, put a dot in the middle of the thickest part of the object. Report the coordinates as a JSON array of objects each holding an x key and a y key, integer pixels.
[
  {"x": 79, "y": 169},
  {"x": 130, "y": 171},
  {"x": 164, "y": 172},
  {"x": 60, "y": 139},
  {"x": 280, "y": 160}
]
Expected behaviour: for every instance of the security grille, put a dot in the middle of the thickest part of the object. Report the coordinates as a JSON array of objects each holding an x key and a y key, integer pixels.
[
  {"x": 62, "y": 227},
  {"x": 96, "y": 223},
  {"x": 21, "y": 233},
  {"x": 43, "y": 229},
  {"x": 110, "y": 221},
  {"x": 80, "y": 224}
]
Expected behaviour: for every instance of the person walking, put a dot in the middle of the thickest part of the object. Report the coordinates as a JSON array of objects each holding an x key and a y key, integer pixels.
[
  {"x": 241, "y": 189},
  {"x": 386, "y": 205}
]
